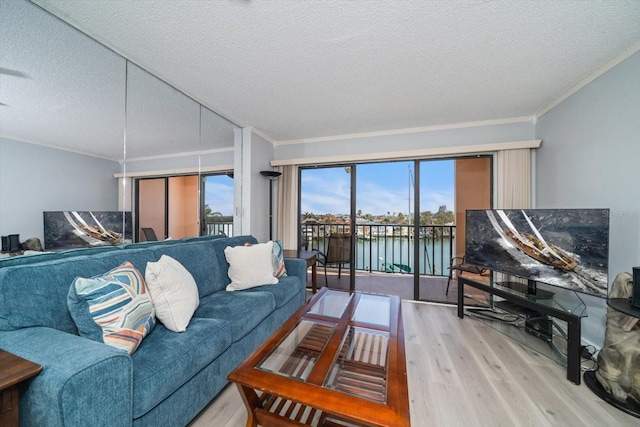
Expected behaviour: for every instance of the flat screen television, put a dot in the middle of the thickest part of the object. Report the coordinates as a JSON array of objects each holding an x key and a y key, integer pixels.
[
  {"x": 82, "y": 229},
  {"x": 567, "y": 248}
]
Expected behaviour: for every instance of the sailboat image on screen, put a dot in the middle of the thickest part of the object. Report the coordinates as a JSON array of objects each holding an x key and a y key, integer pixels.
[
  {"x": 533, "y": 245},
  {"x": 95, "y": 231},
  {"x": 81, "y": 229},
  {"x": 562, "y": 247}
]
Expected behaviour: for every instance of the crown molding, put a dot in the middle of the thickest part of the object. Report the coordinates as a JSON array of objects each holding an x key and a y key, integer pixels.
[
  {"x": 56, "y": 147},
  {"x": 264, "y": 136},
  {"x": 590, "y": 78}
]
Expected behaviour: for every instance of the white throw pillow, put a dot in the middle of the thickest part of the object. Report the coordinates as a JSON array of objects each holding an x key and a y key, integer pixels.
[
  {"x": 250, "y": 266},
  {"x": 173, "y": 291}
]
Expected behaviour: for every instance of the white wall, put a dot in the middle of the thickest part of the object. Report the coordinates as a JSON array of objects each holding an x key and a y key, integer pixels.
[
  {"x": 34, "y": 179},
  {"x": 590, "y": 158},
  {"x": 261, "y": 154}
]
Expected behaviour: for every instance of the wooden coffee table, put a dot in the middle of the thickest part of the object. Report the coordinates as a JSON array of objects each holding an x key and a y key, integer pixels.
[{"x": 340, "y": 359}]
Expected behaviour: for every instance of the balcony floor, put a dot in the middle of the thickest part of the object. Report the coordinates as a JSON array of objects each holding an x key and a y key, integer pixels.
[{"x": 432, "y": 289}]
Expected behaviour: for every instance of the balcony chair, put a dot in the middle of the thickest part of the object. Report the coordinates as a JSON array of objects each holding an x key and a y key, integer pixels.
[
  {"x": 338, "y": 252},
  {"x": 149, "y": 234},
  {"x": 459, "y": 264}
]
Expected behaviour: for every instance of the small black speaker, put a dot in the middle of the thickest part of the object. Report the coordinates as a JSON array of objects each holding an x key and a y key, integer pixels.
[
  {"x": 11, "y": 243},
  {"x": 635, "y": 291}
]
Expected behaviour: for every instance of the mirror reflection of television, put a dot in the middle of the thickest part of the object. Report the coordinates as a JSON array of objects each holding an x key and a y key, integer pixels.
[
  {"x": 81, "y": 229},
  {"x": 567, "y": 248}
]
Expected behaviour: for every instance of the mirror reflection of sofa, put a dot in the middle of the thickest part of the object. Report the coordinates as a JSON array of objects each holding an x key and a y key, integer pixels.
[{"x": 170, "y": 376}]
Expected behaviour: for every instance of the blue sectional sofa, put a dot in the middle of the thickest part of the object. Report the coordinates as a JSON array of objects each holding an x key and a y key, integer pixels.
[{"x": 172, "y": 376}]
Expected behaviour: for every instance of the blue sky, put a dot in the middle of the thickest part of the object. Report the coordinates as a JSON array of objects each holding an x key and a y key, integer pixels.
[
  {"x": 219, "y": 194},
  {"x": 381, "y": 188}
]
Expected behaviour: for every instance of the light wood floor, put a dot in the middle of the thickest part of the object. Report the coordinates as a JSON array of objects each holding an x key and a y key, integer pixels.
[
  {"x": 432, "y": 289},
  {"x": 463, "y": 373}
]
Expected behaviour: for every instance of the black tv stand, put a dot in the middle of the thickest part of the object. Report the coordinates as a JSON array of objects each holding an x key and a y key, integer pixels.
[
  {"x": 545, "y": 307},
  {"x": 530, "y": 288}
]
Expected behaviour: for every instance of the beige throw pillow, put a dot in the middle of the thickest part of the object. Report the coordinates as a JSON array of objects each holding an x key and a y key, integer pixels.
[
  {"x": 250, "y": 266},
  {"x": 173, "y": 291}
]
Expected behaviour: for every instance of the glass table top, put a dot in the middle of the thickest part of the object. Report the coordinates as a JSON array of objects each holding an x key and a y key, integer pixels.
[
  {"x": 562, "y": 300},
  {"x": 551, "y": 297},
  {"x": 359, "y": 363},
  {"x": 374, "y": 309},
  {"x": 332, "y": 304},
  {"x": 298, "y": 353}
]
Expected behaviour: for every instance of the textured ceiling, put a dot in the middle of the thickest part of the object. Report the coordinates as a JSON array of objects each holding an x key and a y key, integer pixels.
[
  {"x": 61, "y": 88},
  {"x": 309, "y": 69}
]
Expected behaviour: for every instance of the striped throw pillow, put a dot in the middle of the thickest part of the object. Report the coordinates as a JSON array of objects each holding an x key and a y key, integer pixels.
[
  {"x": 114, "y": 308},
  {"x": 279, "y": 269}
]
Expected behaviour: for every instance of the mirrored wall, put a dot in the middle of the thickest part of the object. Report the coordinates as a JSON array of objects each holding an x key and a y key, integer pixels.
[{"x": 79, "y": 124}]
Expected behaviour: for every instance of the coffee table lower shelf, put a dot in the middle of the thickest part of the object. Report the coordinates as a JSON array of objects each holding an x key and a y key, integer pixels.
[{"x": 276, "y": 411}]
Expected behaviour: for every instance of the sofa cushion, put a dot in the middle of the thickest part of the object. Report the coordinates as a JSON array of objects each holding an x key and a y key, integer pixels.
[
  {"x": 166, "y": 360},
  {"x": 47, "y": 284},
  {"x": 114, "y": 308},
  {"x": 287, "y": 288},
  {"x": 243, "y": 310},
  {"x": 173, "y": 291},
  {"x": 250, "y": 265},
  {"x": 200, "y": 259}
]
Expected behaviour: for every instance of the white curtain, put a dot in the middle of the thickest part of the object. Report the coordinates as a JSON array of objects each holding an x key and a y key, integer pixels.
[
  {"x": 514, "y": 179},
  {"x": 287, "y": 220}
]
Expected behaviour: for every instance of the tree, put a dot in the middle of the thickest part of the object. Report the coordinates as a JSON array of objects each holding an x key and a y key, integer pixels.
[
  {"x": 443, "y": 217},
  {"x": 426, "y": 218}
]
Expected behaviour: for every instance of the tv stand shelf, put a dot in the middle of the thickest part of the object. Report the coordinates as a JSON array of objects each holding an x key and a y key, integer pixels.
[{"x": 547, "y": 306}]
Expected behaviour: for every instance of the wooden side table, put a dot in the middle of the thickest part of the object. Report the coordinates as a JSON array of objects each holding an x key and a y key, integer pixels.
[
  {"x": 311, "y": 258},
  {"x": 13, "y": 370}
]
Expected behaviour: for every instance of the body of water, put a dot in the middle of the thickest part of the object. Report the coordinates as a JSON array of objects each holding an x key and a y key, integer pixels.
[{"x": 380, "y": 254}]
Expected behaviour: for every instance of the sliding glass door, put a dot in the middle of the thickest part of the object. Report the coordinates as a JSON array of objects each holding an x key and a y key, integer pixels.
[
  {"x": 384, "y": 221},
  {"x": 326, "y": 212},
  {"x": 405, "y": 225},
  {"x": 217, "y": 203},
  {"x": 151, "y": 208},
  {"x": 435, "y": 226},
  {"x": 169, "y": 206},
  {"x": 447, "y": 189},
  {"x": 406, "y": 220}
]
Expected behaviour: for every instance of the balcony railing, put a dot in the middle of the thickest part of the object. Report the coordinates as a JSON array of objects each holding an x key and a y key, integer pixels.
[
  {"x": 380, "y": 247},
  {"x": 223, "y": 228},
  {"x": 390, "y": 247}
]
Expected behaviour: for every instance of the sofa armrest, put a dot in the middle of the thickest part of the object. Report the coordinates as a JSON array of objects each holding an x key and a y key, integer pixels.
[
  {"x": 82, "y": 382},
  {"x": 297, "y": 267}
]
